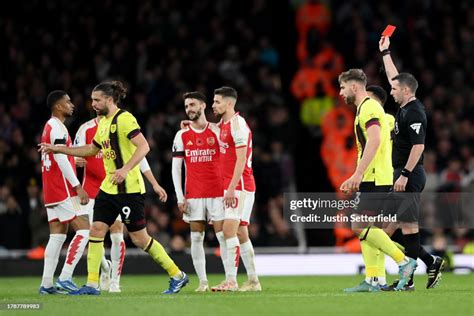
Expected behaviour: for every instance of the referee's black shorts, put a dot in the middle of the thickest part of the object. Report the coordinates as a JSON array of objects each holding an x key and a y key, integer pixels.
[
  {"x": 408, "y": 202},
  {"x": 130, "y": 206}
]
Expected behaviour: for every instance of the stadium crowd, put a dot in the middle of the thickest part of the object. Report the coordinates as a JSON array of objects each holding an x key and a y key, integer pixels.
[{"x": 163, "y": 49}]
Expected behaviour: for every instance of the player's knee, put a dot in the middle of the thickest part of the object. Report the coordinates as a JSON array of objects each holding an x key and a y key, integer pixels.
[
  {"x": 140, "y": 239},
  {"x": 81, "y": 222},
  {"x": 116, "y": 228},
  {"x": 98, "y": 229},
  {"x": 242, "y": 235},
  {"x": 228, "y": 233}
]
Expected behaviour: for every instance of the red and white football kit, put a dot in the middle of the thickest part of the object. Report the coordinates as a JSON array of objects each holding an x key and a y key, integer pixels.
[
  {"x": 203, "y": 186},
  {"x": 234, "y": 134},
  {"x": 59, "y": 175}
]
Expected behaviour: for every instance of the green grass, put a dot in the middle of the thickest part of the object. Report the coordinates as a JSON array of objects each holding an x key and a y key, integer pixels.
[{"x": 315, "y": 295}]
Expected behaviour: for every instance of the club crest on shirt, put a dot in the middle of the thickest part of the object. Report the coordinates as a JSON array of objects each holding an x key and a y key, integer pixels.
[
  {"x": 113, "y": 128},
  {"x": 211, "y": 141}
]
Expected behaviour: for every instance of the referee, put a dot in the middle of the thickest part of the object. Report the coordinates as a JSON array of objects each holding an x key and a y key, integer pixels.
[{"x": 407, "y": 159}]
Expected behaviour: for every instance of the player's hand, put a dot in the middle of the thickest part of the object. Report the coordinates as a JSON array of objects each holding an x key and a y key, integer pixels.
[
  {"x": 119, "y": 176},
  {"x": 80, "y": 162},
  {"x": 45, "y": 148},
  {"x": 82, "y": 194},
  {"x": 400, "y": 184},
  {"x": 161, "y": 192},
  {"x": 229, "y": 198},
  {"x": 384, "y": 43},
  {"x": 352, "y": 184},
  {"x": 183, "y": 207},
  {"x": 184, "y": 124}
]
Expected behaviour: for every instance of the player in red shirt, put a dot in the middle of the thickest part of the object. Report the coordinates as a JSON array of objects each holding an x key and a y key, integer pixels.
[
  {"x": 235, "y": 141},
  {"x": 94, "y": 174},
  {"x": 198, "y": 146},
  {"x": 62, "y": 195}
]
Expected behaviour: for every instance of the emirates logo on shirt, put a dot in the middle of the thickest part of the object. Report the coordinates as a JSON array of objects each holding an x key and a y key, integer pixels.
[{"x": 200, "y": 155}]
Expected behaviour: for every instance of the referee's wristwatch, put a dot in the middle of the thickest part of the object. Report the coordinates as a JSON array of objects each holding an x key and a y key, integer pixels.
[{"x": 406, "y": 173}]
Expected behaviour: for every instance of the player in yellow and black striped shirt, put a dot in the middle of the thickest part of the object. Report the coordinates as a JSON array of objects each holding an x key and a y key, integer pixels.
[
  {"x": 374, "y": 173},
  {"x": 123, "y": 147}
]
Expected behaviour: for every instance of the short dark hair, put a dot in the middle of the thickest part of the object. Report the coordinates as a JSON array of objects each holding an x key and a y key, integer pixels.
[
  {"x": 379, "y": 92},
  {"x": 54, "y": 97},
  {"x": 114, "y": 89},
  {"x": 195, "y": 95},
  {"x": 407, "y": 80},
  {"x": 226, "y": 92},
  {"x": 353, "y": 74}
]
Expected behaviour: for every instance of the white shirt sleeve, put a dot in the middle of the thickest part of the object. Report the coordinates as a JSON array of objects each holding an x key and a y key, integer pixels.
[
  {"x": 177, "y": 165},
  {"x": 176, "y": 172},
  {"x": 178, "y": 146},
  {"x": 59, "y": 136},
  {"x": 80, "y": 139},
  {"x": 144, "y": 165},
  {"x": 240, "y": 131}
]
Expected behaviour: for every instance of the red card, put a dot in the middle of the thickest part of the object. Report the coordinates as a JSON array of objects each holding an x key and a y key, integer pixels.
[{"x": 389, "y": 30}]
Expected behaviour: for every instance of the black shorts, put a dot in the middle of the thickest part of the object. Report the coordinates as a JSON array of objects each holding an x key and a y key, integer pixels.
[
  {"x": 371, "y": 198},
  {"x": 130, "y": 206},
  {"x": 408, "y": 202}
]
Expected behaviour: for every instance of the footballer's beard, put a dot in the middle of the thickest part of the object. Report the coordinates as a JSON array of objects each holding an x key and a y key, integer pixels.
[
  {"x": 194, "y": 116},
  {"x": 102, "y": 112},
  {"x": 350, "y": 100},
  {"x": 217, "y": 114}
]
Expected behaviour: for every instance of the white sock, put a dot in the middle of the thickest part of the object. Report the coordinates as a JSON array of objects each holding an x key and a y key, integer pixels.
[
  {"x": 382, "y": 281},
  {"x": 223, "y": 250},
  {"x": 248, "y": 257},
  {"x": 74, "y": 253},
  {"x": 198, "y": 255},
  {"x": 117, "y": 255},
  {"x": 368, "y": 280},
  {"x": 103, "y": 263},
  {"x": 404, "y": 261},
  {"x": 233, "y": 255},
  {"x": 51, "y": 257}
]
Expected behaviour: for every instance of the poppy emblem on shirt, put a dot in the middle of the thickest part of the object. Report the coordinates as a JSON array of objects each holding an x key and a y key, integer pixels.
[
  {"x": 199, "y": 142},
  {"x": 211, "y": 141},
  {"x": 113, "y": 128}
]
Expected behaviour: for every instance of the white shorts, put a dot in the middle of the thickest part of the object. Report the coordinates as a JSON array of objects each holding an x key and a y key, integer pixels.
[
  {"x": 65, "y": 211},
  {"x": 243, "y": 208},
  {"x": 89, "y": 209},
  {"x": 204, "y": 210}
]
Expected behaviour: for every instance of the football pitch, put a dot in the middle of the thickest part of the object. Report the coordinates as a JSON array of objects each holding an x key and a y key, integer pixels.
[{"x": 311, "y": 295}]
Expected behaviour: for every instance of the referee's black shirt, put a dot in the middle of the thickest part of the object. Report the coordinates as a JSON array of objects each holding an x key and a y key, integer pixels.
[{"x": 410, "y": 129}]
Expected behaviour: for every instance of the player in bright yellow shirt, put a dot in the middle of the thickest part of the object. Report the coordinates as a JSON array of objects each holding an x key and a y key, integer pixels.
[
  {"x": 374, "y": 174},
  {"x": 123, "y": 147}
]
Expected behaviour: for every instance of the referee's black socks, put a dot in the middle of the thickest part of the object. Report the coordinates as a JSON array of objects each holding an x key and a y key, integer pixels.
[
  {"x": 412, "y": 245},
  {"x": 426, "y": 257}
]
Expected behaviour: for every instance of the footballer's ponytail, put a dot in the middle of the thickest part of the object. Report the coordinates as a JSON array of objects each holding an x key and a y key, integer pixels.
[{"x": 114, "y": 89}]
